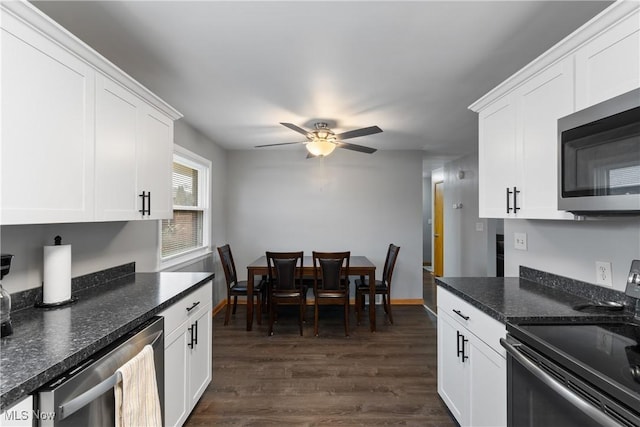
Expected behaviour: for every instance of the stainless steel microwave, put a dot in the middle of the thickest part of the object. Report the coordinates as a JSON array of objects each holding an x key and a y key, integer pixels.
[{"x": 599, "y": 158}]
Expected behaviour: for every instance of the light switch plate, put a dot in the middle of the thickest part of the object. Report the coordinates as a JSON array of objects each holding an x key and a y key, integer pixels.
[
  {"x": 603, "y": 273},
  {"x": 479, "y": 226},
  {"x": 520, "y": 241}
]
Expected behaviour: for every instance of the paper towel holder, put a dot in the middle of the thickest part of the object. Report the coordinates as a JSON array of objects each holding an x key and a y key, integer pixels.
[
  {"x": 57, "y": 304},
  {"x": 41, "y": 304}
]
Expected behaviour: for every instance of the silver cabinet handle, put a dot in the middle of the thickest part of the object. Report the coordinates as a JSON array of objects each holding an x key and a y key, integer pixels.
[{"x": 559, "y": 388}]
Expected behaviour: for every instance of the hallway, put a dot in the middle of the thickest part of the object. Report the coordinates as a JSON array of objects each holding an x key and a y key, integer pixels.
[{"x": 429, "y": 291}]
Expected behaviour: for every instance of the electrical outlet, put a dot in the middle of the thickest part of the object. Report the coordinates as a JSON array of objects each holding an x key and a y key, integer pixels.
[
  {"x": 520, "y": 241},
  {"x": 603, "y": 273}
]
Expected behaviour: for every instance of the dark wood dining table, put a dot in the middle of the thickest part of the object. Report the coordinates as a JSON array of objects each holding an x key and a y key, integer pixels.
[{"x": 358, "y": 266}]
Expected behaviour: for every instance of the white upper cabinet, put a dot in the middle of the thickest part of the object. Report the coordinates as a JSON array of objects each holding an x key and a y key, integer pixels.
[
  {"x": 80, "y": 138},
  {"x": 47, "y": 129},
  {"x": 117, "y": 136},
  {"x": 540, "y": 102},
  {"x": 518, "y": 148},
  {"x": 497, "y": 158},
  {"x": 155, "y": 160},
  {"x": 134, "y": 152},
  {"x": 609, "y": 65}
]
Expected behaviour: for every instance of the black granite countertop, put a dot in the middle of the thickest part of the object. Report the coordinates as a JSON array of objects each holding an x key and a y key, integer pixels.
[
  {"x": 47, "y": 342},
  {"x": 517, "y": 300}
]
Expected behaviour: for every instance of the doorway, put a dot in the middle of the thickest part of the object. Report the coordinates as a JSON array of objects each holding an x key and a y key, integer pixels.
[{"x": 438, "y": 229}]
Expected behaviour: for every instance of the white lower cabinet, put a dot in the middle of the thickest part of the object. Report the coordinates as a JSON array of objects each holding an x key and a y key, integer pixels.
[
  {"x": 200, "y": 356},
  {"x": 19, "y": 415},
  {"x": 472, "y": 373},
  {"x": 187, "y": 354}
]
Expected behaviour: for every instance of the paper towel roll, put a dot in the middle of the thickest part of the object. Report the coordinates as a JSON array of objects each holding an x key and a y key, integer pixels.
[{"x": 57, "y": 274}]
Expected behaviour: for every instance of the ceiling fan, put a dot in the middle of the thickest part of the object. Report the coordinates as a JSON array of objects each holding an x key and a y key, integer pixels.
[{"x": 322, "y": 141}]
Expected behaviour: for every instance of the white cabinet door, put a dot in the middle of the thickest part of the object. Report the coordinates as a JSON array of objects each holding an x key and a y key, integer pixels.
[
  {"x": 47, "y": 129},
  {"x": 188, "y": 353},
  {"x": 19, "y": 415},
  {"x": 117, "y": 134},
  {"x": 486, "y": 384},
  {"x": 518, "y": 149},
  {"x": 176, "y": 404},
  {"x": 200, "y": 356},
  {"x": 134, "y": 154},
  {"x": 472, "y": 372},
  {"x": 497, "y": 158},
  {"x": 542, "y": 100},
  {"x": 609, "y": 65},
  {"x": 451, "y": 369},
  {"x": 155, "y": 163}
]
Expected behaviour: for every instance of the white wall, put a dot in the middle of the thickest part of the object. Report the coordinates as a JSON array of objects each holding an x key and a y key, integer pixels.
[
  {"x": 188, "y": 137},
  {"x": 571, "y": 248},
  {"x": 97, "y": 246},
  {"x": 468, "y": 252},
  {"x": 278, "y": 200},
  {"x": 94, "y": 247}
]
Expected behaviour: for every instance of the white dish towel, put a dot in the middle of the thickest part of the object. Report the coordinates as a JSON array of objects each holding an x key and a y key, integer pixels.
[{"x": 136, "y": 396}]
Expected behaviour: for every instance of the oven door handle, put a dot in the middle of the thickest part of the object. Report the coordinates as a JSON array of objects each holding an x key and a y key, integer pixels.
[{"x": 558, "y": 387}]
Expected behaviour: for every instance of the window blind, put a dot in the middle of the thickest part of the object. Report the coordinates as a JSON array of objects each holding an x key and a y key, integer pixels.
[{"x": 184, "y": 231}]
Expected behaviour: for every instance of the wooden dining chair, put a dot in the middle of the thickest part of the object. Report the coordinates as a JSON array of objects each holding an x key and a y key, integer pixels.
[
  {"x": 383, "y": 287},
  {"x": 285, "y": 283},
  {"x": 331, "y": 283},
  {"x": 236, "y": 288}
]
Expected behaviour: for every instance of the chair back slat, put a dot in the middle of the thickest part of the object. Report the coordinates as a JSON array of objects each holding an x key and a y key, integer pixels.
[
  {"x": 331, "y": 270},
  {"x": 228, "y": 265},
  {"x": 282, "y": 272},
  {"x": 390, "y": 263}
]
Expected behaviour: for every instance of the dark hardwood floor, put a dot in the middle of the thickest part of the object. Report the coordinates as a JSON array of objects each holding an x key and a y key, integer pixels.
[{"x": 382, "y": 378}]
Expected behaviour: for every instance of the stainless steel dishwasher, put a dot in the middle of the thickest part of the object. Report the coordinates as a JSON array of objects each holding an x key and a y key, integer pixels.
[{"x": 84, "y": 395}]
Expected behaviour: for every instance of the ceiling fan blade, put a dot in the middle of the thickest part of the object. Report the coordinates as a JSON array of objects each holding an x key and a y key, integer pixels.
[
  {"x": 356, "y": 147},
  {"x": 280, "y": 143},
  {"x": 295, "y": 128},
  {"x": 311, "y": 156},
  {"x": 358, "y": 132}
]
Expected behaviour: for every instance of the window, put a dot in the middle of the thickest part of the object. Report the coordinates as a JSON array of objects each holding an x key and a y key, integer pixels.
[{"x": 186, "y": 235}]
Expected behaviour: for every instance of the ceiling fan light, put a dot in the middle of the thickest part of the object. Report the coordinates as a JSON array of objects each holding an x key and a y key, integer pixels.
[{"x": 320, "y": 147}]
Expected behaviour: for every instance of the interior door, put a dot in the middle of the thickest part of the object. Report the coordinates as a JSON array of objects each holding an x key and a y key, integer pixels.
[{"x": 438, "y": 229}]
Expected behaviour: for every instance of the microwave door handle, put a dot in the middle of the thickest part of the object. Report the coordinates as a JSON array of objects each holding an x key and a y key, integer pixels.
[{"x": 559, "y": 388}]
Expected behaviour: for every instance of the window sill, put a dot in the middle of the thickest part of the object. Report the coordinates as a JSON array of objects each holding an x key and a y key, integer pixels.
[{"x": 176, "y": 261}]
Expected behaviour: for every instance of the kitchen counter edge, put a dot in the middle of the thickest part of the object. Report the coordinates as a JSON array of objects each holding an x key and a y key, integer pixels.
[
  {"x": 487, "y": 295},
  {"x": 25, "y": 388}
]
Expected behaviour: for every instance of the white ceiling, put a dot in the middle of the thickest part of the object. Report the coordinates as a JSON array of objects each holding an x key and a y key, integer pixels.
[{"x": 237, "y": 69}]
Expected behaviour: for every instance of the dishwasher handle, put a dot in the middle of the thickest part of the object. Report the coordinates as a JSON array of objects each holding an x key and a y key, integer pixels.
[
  {"x": 74, "y": 405},
  {"x": 556, "y": 386}
]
